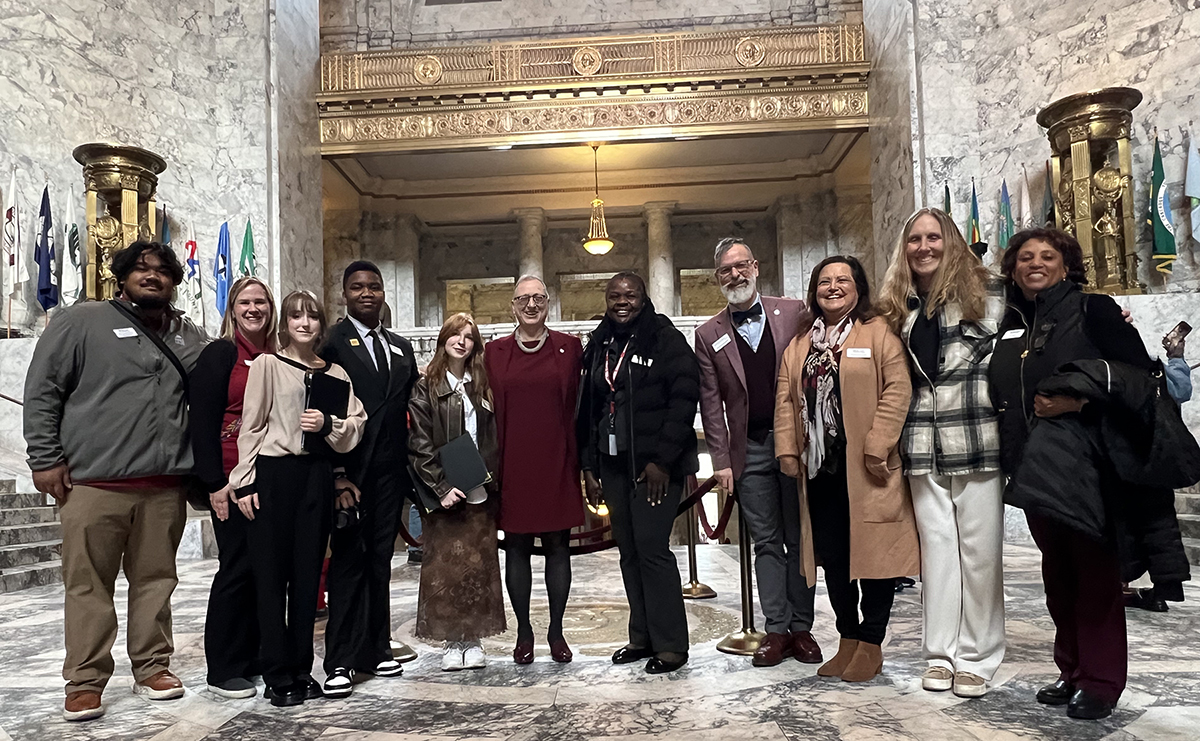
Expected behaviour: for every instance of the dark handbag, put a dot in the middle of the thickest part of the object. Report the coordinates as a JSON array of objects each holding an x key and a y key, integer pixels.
[{"x": 1174, "y": 457}]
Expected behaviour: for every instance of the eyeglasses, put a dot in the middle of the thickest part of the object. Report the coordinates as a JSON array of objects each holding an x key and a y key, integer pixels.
[
  {"x": 742, "y": 267},
  {"x": 521, "y": 302}
]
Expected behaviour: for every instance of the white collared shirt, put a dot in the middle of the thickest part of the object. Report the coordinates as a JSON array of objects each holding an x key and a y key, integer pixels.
[
  {"x": 365, "y": 333},
  {"x": 460, "y": 388},
  {"x": 752, "y": 330}
]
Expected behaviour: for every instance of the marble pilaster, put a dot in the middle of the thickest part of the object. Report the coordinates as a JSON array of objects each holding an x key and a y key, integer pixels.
[
  {"x": 531, "y": 227},
  {"x": 789, "y": 235},
  {"x": 660, "y": 283}
]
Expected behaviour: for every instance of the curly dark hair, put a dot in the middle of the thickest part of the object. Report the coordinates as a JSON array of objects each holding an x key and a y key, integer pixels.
[
  {"x": 1067, "y": 246},
  {"x": 124, "y": 260},
  {"x": 862, "y": 311}
]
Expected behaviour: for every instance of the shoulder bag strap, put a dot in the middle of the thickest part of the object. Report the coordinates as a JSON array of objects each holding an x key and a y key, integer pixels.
[{"x": 153, "y": 337}]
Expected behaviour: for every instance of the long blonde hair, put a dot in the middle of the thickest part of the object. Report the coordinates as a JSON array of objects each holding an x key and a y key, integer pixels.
[
  {"x": 960, "y": 278},
  {"x": 441, "y": 361},
  {"x": 228, "y": 324}
]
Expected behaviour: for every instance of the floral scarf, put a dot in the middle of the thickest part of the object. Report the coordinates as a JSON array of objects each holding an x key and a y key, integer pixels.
[{"x": 821, "y": 407}]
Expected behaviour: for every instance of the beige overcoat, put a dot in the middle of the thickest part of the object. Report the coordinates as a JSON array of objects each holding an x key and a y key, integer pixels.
[{"x": 875, "y": 389}]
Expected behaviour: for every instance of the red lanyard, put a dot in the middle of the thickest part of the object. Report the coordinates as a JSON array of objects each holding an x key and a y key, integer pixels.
[{"x": 611, "y": 377}]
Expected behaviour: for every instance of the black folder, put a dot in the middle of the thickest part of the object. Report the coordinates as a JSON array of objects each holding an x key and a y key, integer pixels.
[
  {"x": 329, "y": 395},
  {"x": 464, "y": 467}
]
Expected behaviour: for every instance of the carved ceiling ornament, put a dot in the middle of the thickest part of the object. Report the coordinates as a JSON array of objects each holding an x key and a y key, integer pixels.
[
  {"x": 428, "y": 70},
  {"x": 587, "y": 61},
  {"x": 749, "y": 52}
]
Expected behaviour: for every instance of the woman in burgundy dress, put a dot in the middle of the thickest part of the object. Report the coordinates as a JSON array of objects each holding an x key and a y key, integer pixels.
[{"x": 535, "y": 379}]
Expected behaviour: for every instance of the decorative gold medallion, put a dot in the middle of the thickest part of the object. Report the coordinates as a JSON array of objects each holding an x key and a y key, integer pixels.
[
  {"x": 749, "y": 52},
  {"x": 587, "y": 60},
  {"x": 427, "y": 70}
]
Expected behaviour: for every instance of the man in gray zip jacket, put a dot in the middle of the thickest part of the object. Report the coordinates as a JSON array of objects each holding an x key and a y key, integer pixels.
[{"x": 106, "y": 430}]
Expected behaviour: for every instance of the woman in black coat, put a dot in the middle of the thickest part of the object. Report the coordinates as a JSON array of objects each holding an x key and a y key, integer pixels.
[
  {"x": 637, "y": 444},
  {"x": 1050, "y": 321}
]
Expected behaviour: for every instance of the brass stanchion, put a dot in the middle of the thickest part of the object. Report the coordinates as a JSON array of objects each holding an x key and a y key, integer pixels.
[
  {"x": 745, "y": 641},
  {"x": 694, "y": 589}
]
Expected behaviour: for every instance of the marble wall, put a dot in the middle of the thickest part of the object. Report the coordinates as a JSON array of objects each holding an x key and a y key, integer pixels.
[
  {"x": 982, "y": 73},
  {"x": 223, "y": 92},
  {"x": 359, "y": 25}
]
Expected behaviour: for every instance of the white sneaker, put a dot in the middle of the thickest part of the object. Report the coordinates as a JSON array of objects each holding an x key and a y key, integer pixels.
[
  {"x": 937, "y": 679},
  {"x": 452, "y": 656},
  {"x": 473, "y": 657},
  {"x": 389, "y": 668}
]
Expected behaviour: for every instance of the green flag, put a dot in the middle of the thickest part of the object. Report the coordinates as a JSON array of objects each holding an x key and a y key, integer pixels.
[
  {"x": 975, "y": 230},
  {"x": 1006, "y": 228},
  {"x": 1161, "y": 223},
  {"x": 246, "y": 265},
  {"x": 946, "y": 200}
]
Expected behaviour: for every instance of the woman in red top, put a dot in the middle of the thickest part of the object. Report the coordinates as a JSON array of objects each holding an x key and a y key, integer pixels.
[
  {"x": 534, "y": 375},
  {"x": 218, "y": 385}
]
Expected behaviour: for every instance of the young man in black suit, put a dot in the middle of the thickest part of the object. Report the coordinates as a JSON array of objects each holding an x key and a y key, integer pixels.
[{"x": 371, "y": 489}]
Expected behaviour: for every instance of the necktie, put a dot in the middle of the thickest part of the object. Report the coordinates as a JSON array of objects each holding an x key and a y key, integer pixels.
[
  {"x": 381, "y": 361},
  {"x": 741, "y": 317}
]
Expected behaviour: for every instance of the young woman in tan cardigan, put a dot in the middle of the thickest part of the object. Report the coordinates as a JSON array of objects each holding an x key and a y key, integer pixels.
[{"x": 843, "y": 394}]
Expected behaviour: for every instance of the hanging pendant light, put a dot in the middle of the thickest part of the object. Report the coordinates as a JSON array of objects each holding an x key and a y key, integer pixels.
[{"x": 597, "y": 241}]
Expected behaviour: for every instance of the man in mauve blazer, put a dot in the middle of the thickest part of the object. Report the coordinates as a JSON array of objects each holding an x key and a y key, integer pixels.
[
  {"x": 373, "y": 478},
  {"x": 739, "y": 351}
]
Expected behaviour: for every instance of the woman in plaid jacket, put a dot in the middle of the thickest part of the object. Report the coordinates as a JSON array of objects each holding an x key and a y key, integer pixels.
[{"x": 935, "y": 296}]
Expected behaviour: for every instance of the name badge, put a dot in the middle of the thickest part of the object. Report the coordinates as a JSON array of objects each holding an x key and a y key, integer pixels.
[
  {"x": 858, "y": 352},
  {"x": 1012, "y": 334},
  {"x": 178, "y": 340},
  {"x": 396, "y": 350},
  {"x": 612, "y": 444},
  {"x": 125, "y": 332},
  {"x": 642, "y": 361},
  {"x": 721, "y": 342}
]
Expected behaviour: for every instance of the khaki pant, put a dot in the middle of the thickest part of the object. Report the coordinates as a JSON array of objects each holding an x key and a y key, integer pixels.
[{"x": 103, "y": 531}]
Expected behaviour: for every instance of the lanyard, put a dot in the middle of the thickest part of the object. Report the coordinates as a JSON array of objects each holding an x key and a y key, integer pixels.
[{"x": 611, "y": 377}]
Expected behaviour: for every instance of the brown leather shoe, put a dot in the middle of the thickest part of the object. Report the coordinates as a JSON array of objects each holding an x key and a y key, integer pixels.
[
  {"x": 774, "y": 649},
  {"x": 835, "y": 666},
  {"x": 161, "y": 686},
  {"x": 83, "y": 705},
  {"x": 866, "y": 664},
  {"x": 805, "y": 648}
]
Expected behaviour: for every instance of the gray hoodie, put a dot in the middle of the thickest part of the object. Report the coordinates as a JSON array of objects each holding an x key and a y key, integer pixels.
[{"x": 103, "y": 398}]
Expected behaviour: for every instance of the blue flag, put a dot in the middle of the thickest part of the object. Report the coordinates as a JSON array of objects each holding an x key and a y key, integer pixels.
[
  {"x": 166, "y": 228},
  {"x": 47, "y": 288},
  {"x": 221, "y": 269}
]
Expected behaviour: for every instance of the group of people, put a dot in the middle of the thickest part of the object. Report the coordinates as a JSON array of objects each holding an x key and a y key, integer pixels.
[{"x": 874, "y": 438}]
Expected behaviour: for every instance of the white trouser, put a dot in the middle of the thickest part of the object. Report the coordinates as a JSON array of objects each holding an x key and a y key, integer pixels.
[{"x": 961, "y": 522}]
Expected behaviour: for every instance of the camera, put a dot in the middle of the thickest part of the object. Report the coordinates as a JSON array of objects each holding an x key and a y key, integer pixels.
[{"x": 344, "y": 518}]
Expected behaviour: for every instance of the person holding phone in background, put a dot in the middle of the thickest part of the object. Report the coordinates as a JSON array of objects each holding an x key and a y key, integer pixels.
[{"x": 1177, "y": 370}]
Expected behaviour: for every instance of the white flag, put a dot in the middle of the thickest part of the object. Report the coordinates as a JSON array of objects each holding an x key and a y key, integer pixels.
[
  {"x": 1025, "y": 218},
  {"x": 71, "y": 256},
  {"x": 190, "y": 293},
  {"x": 1191, "y": 185},
  {"x": 16, "y": 272}
]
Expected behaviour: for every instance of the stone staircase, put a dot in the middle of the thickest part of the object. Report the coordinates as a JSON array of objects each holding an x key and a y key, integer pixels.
[{"x": 30, "y": 540}]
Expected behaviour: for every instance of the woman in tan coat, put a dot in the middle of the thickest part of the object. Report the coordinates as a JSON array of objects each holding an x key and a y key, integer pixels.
[{"x": 843, "y": 394}]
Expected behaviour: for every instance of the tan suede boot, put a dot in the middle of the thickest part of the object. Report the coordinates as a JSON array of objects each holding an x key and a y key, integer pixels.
[
  {"x": 867, "y": 662},
  {"x": 835, "y": 666}
]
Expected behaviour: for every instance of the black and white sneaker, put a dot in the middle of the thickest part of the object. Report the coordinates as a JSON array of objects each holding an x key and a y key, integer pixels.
[
  {"x": 237, "y": 688},
  {"x": 339, "y": 683},
  {"x": 389, "y": 668}
]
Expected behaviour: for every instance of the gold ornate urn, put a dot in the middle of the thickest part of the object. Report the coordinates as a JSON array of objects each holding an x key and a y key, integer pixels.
[
  {"x": 1092, "y": 169},
  {"x": 120, "y": 184}
]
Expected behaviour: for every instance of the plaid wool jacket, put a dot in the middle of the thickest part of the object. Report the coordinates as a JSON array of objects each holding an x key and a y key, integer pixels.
[{"x": 952, "y": 427}]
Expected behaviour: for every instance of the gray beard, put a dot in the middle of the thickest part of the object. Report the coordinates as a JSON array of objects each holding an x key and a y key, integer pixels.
[{"x": 740, "y": 295}]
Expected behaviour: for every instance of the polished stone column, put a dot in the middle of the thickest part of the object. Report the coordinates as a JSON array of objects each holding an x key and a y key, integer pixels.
[
  {"x": 531, "y": 224},
  {"x": 789, "y": 236},
  {"x": 392, "y": 242},
  {"x": 660, "y": 283}
]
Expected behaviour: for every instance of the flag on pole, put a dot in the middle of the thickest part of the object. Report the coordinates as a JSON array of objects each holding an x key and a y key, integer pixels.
[
  {"x": 1023, "y": 216},
  {"x": 946, "y": 199},
  {"x": 71, "y": 283},
  {"x": 166, "y": 228},
  {"x": 16, "y": 272},
  {"x": 246, "y": 264},
  {"x": 1048, "y": 199},
  {"x": 47, "y": 286},
  {"x": 1191, "y": 185},
  {"x": 1006, "y": 228},
  {"x": 1161, "y": 223},
  {"x": 190, "y": 293},
  {"x": 221, "y": 269},
  {"x": 976, "y": 231}
]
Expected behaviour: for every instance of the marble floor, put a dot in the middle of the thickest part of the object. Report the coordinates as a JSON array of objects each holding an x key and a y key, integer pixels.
[{"x": 716, "y": 698}]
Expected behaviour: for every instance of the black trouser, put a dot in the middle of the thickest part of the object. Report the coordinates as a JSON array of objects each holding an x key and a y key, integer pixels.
[
  {"x": 643, "y": 533},
  {"x": 231, "y": 626},
  {"x": 287, "y": 545},
  {"x": 359, "y": 633},
  {"x": 829, "y": 510}
]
